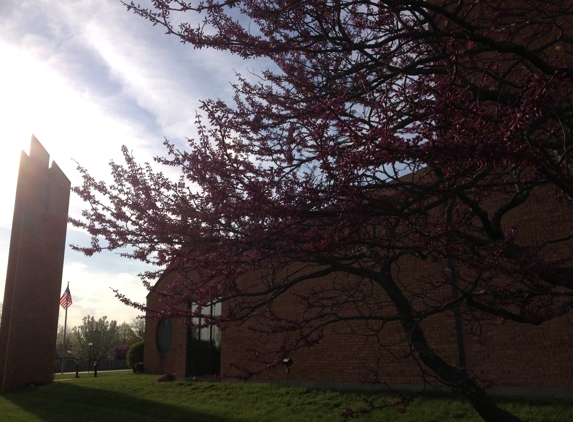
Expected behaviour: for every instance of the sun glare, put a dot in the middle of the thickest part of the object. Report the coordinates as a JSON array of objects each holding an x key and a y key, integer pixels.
[
  {"x": 44, "y": 91},
  {"x": 19, "y": 81}
]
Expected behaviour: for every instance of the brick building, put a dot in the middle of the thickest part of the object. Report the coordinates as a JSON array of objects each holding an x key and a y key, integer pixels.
[
  {"x": 34, "y": 274},
  {"x": 510, "y": 356},
  {"x": 515, "y": 358}
]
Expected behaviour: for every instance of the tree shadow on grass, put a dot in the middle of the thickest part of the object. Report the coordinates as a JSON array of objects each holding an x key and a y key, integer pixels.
[{"x": 75, "y": 403}]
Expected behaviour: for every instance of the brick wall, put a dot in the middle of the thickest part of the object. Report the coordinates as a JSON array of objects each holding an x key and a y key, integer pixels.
[
  {"x": 502, "y": 353},
  {"x": 174, "y": 359},
  {"x": 505, "y": 354},
  {"x": 34, "y": 274}
]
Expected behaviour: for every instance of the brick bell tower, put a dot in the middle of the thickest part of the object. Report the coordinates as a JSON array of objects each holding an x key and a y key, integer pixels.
[{"x": 34, "y": 275}]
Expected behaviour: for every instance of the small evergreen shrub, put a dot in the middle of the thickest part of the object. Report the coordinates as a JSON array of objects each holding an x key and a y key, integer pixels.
[{"x": 135, "y": 354}]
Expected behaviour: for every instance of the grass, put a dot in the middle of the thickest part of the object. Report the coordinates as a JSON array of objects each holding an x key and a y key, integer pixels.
[{"x": 122, "y": 396}]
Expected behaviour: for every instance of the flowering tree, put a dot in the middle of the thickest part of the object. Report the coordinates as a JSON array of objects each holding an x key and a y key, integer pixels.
[{"x": 392, "y": 132}]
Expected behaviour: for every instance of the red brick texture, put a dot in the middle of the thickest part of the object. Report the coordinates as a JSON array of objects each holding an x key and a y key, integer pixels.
[
  {"x": 174, "y": 359},
  {"x": 504, "y": 354}
]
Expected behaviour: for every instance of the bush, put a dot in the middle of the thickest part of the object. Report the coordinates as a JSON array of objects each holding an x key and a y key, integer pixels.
[
  {"x": 135, "y": 354},
  {"x": 120, "y": 352},
  {"x": 138, "y": 368},
  {"x": 166, "y": 377}
]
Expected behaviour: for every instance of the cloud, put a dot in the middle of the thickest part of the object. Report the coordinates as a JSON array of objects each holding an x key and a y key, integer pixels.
[
  {"x": 161, "y": 75},
  {"x": 92, "y": 294},
  {"x": 93, "y": 279}
]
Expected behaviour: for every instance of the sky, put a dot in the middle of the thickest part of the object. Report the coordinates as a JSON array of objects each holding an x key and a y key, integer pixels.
[{"x": 86, "y": 77}]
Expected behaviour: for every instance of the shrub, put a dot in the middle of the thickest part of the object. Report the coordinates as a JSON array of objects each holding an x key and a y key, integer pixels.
[
  {"x": 120, "y": 352},
  {"x": 135, "y": 354},
  {"x": 138, "y": 368},
  {"x": 166, "y": 377}
]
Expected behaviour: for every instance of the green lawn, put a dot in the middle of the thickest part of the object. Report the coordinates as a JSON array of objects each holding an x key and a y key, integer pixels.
[{"x": 122, "y": 396}]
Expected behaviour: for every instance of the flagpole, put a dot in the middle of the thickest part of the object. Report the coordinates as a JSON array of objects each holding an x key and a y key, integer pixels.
[{"x": 65, "y": 329}]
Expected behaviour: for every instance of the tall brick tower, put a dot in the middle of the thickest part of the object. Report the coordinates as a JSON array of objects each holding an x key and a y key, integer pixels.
[{"x": 34, "y": 274}]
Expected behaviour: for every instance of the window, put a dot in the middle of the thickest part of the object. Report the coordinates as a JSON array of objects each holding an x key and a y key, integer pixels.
[{"x": 204, "y": 345}]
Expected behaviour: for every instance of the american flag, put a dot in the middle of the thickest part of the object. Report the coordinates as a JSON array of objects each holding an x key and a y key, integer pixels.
[{"x": 66, "y": 299}]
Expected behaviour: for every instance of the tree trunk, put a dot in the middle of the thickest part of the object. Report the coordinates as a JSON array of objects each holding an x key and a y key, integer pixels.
[
  {"x": 454, "y": 377},
  {"x": 449, "y": 375}
]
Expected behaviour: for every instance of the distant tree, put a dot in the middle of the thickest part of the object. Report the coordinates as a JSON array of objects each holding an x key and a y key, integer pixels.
[
  {"x": 70, "y": 338},
  {"x": 103, "y": 335},
  {"x": 138, "y": 328},
  {"x": 125, "y": 334}
]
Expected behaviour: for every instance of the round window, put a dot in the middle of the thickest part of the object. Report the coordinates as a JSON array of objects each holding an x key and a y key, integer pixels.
[{"x": 164, "y": 335}]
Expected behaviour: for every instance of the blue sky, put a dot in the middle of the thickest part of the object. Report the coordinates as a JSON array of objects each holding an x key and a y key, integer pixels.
[{"x": 86, "y": 77}]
